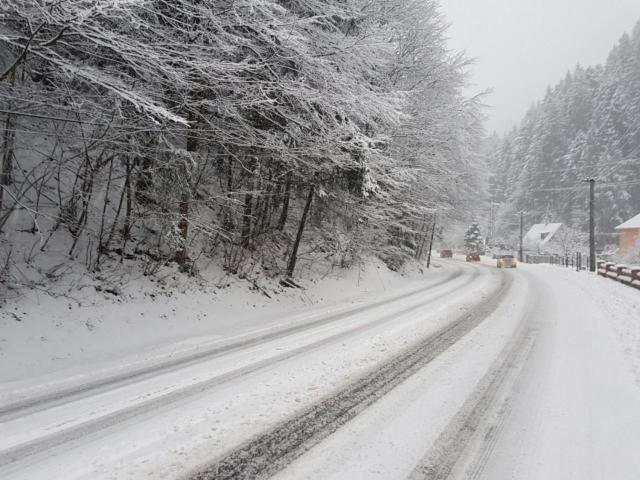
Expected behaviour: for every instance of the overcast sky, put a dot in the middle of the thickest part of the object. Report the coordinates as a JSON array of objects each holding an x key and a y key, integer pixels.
[{"x": 521, "y": 46}]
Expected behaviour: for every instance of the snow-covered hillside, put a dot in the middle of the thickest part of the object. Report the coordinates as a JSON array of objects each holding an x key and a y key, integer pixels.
[{"x": 83, "y": 322}]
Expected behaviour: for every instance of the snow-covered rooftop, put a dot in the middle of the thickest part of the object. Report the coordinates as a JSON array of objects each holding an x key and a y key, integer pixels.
[
  {"x": 633, "y": 223},
  {"x": 541, "y": 233}
]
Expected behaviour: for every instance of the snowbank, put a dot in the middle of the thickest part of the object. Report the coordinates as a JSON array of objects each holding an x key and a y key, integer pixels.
[
  {"x": 619, "y": 307},
  {"x": 47, "y": 333}
]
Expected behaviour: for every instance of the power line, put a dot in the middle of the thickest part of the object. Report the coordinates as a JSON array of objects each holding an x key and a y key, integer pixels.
[{"x": 600, "y": 185}]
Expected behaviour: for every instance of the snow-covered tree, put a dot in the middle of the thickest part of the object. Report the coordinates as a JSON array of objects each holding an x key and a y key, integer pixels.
[
  {"x": 473, "y": 240},
  {"x": 588, "y": 125},
  {"x": 251, "y": 132}
]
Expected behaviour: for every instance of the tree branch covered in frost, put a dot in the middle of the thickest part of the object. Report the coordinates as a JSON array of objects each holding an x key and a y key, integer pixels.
[{"x": 241, "y": 130}]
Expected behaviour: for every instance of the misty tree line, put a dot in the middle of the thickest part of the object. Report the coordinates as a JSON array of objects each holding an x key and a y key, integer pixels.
[
  {"x": 587, "y": 126},
  {"x": 250, "y": 131}
]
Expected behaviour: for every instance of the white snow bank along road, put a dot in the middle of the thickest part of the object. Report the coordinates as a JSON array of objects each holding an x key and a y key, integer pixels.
[
  {"x": 166, "y": 424},
  {"x": 87, "y": 377},
  {"x": 544, "y": 389},
  {"x": 46, "y": 338}
]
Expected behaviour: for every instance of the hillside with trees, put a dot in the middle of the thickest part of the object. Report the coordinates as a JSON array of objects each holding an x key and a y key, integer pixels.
[
  {"x": 254, "y": 134},
  {"x": 587, "y": 126}
]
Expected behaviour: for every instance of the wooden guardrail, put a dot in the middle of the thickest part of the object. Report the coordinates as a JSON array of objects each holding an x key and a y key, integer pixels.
[{"x": 622, "y": 273}]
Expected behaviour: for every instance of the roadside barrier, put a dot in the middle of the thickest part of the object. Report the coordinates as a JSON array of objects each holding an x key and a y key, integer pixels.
[
  {"x": 576, "y": 261},
  {"x": 629, "y": 275}
]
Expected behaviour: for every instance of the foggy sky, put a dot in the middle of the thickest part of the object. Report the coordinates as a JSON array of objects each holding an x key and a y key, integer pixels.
[{"x": 521, "y": 46}]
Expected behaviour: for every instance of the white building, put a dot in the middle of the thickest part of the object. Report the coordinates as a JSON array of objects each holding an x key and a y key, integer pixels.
[{"x": 539, "y": 239}]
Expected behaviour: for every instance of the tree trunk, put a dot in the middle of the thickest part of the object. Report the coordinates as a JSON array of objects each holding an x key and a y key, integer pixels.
[
  {"x": 105, "y": 203},
  {"x": 126, "y": 228},
  {"x": 433, "y": 234},
  {"x": 422, "y": 239},
  {"x": 296, "y": 244},
  {"x": 6, "y": 167},
  {"x": 246, "y": 219},
  {"x": 112, "y": 232},
  {"x": 262, "y": 222},
  {"x": 182, "y": 255},
  {"x": 247, "y": 214},
  {"x": 227, "y": 220},
  {"x": 285, "y": 203},
  {"x": 86, "y": 193}
]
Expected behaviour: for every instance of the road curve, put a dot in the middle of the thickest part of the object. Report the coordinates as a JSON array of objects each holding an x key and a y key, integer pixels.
[
  {"x": 274, "y": 449},
  {"x": 58, "y": 396},
  {"x": 40, "y": 430},
  {"x": 541, "y": 388}
]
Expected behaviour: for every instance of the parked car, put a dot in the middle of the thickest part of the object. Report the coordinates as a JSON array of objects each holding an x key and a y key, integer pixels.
[
  {"x": 506, "y": 261},
  {"x": 446, "y": 254},
  {"x": 473, "y": 257}
]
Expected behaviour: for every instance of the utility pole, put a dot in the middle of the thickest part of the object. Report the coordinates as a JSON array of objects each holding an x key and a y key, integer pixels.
[
  {"x": 521, "y": 236},
  {"x": 592, "y": 223}
]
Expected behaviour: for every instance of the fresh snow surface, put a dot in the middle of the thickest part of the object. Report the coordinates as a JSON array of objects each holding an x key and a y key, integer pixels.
[
  {"x": 570, "y": 413},
  {"x": 47, "y": 338},
  {"x": 566, "y": 405},
  {"x": 189, "y": 431},
  {"x": 633, "y": 223}
]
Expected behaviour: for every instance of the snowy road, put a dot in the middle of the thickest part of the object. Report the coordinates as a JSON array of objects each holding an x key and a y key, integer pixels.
[{"x": 478, "y": 374}]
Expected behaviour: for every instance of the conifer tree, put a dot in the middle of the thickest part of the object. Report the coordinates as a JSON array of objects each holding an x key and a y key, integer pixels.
[{"x": 473, "y": 240}]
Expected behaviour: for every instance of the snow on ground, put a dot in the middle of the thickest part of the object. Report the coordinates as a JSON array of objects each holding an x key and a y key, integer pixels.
[
  {"x": 169, "y": 440},
  {"x": 387, "y": 440},
  {"x": 574, "y": 412},
  {"x": 571, "y": 413},
  {"x": 569, "y": 409},
  {"x": 617, "y": 305},
  {"x": 44, "y": 337}
]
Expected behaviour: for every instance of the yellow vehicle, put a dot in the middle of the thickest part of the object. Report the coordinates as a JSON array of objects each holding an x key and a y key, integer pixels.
[{"x": 506, "y": 261}]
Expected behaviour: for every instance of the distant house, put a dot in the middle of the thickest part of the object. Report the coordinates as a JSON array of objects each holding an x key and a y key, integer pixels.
[
  {"x": 539, "y": 239},
  {"x": 629, "y": 235}
]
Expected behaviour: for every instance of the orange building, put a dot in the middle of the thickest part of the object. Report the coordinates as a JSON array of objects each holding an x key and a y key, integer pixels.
[{"x": 629, "y": 235}]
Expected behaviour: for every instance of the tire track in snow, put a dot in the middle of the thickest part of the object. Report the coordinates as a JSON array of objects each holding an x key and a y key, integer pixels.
[
  {"x": 96, "y": 426},
  {"x": 488, "y": 396},
  {"x": 270, "y": 452},
  {"x": 41, "y": 402}
]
